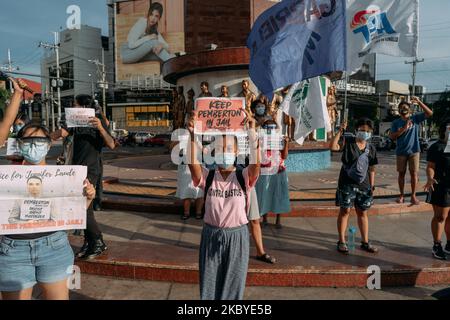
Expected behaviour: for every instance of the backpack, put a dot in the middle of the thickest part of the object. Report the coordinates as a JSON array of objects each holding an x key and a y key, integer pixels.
[
  {"x": 358, "y": 170},
  {"x": 210, "y": 178}
]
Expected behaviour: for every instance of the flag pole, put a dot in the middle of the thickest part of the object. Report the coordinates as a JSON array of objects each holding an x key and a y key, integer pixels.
[{"x": 345, "y": 117}]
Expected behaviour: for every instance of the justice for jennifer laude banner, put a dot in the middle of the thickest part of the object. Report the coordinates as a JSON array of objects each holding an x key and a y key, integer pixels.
[
  {"x": 36, "y": 199},
  {"x": 219, "y": 115}
]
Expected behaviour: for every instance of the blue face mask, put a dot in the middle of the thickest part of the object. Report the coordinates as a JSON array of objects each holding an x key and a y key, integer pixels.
[
  {"x": 362, "y": 135},
  {"x": 228, "y": 161},
  {"x": 260, "y": 110},
  {"x": 34, "y": 152},
  {"x": 18, "y": 127}
]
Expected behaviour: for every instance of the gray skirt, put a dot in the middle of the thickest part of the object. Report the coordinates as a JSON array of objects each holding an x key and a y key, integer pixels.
[{"x": 223, "y": 263}]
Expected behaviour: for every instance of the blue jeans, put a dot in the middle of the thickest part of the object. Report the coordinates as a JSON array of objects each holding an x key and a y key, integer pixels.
[{"x": 23, "y": 263}]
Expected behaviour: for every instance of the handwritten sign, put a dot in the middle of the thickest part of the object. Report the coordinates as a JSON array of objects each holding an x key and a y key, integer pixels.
[
  {"x": 35, "y": 199},
  {"x": 219, "y": 115},
  {"x": 13, "y": 148},
  {"x": 79, "y": 117},
  {"x": 35, "y": 209}
]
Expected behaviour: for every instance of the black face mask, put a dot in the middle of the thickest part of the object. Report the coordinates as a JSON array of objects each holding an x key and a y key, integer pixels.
[{"x": 404, "y": 112}]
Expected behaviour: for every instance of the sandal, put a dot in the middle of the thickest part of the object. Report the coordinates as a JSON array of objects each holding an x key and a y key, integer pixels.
[
  {"x": 185, "y": 216},
  {"x": 366, "y": 246},
  {"x": 266, "y": 258},
  {"x": 342, "y": 247},
  {"x": 199, "y": 216},
  {"x": 415, "y": 202},
  {"x": 400, "y": 200}
]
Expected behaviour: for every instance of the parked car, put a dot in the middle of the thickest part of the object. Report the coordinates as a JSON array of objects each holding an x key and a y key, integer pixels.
[
  {"x": 158, "y": 140},
  {"x": 119, "y": 133},
  {"x": 141, "y": 137},
  {"x": 382, "y": 143}
]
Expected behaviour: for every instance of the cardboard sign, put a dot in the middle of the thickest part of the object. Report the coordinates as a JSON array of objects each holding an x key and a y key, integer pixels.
[
  {"x": 35, "y": 199},
  {"x": 35, "y": 209},
  {"x": 79, "y": 117},
  {"x": 219, "y": 115},
  {"x": 13, "y": 148}
]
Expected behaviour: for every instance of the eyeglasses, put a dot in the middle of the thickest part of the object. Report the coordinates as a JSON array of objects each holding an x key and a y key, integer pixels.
[{"x": 36, "y": 141}]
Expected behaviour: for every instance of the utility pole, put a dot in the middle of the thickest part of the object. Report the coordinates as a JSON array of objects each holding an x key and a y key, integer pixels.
[
  {"x": 10, "y": 68},
  {"x": 102, "y": 83},
  {"x": 414, "y": 64},
  {"x": 59, "y": 82}
]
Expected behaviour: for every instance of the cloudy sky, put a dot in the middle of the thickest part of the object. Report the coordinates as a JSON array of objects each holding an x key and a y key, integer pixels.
[{"x": 23, "y": 23}]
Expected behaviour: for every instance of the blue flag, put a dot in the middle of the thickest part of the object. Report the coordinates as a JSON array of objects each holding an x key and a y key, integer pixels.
[{"x": 296, "y": 40}]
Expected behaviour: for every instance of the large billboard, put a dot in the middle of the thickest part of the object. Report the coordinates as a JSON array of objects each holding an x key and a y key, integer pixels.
[{"x": 147, "y": 33}]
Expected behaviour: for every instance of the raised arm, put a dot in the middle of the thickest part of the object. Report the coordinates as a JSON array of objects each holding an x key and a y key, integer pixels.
[
  {"x": 255, "y": 161},
  {"x": 194, "y": 166},
  {"x": 334, "y": 144},
  {"x": 428, "y": 112},
  {"x": 11, "y": 111},
  {"x": 109, "y": 141}
]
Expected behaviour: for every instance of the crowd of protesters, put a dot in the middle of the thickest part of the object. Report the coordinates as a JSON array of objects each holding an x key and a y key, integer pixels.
[{"x": 231, "y": 198}]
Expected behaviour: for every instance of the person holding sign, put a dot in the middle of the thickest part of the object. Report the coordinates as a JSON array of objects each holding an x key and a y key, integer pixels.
[
  {"x": 11, "y": 110},
  {"x": 438, "y": 188},
  {"x": 33, "y": 209},
  {"x": 37, "y": 258},
  {"x": 356, "y": 181},
  {"x": 272, "y": 188},
  {"x": 88, "y": 143},
  {"x": 224, "y": 248}
]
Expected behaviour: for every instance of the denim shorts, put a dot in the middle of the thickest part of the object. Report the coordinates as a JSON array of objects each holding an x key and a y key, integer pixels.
[
  {"x": 23, "y": 263},
  {"x": 347, "y": 197}
]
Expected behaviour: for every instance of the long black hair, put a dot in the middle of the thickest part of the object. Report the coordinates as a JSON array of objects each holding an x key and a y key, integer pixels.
[{"x": 158, "y": 7}]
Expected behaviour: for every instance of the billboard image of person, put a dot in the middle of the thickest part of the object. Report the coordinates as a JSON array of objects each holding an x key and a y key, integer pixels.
[{"x": 148, "y": 33}]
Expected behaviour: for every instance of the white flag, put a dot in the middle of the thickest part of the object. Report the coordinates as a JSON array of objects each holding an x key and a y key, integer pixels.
[
  {"x": 306, "y": 103},
  {"x": 387, "y": 27}
]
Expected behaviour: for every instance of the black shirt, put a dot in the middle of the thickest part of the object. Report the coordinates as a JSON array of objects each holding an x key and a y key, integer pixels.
[
  {"x": 350, "y": 155},
  {"x": 442, "y": 162},
  {"x": 87, "y": 147}
]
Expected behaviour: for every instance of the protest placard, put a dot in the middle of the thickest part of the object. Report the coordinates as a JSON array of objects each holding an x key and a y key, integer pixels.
[
  {"x": 35, "y": 199},
  {"x": 272, "y": 141},
  {"x": 447, "y": 148},
  {"x": 12, "y": 148},
  {"x": 79, "y": 117},
  {"x": 219, "y": 115}
]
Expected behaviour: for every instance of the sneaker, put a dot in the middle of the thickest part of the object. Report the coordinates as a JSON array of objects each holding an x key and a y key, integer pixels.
[
  {"x": 95, "y": 249},
  {"x": 366, "y": 246},
  {"x": 438, "y": 252},
  {"x": 83, "y": 250},
  {"x": 447, "y": 248}
]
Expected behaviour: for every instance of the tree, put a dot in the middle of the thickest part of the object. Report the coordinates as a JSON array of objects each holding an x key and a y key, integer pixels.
[{"x": 441, "y": 108}]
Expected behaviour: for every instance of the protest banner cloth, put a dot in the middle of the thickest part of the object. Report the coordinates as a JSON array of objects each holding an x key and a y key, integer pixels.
[
  {"x": 79, "y": 117},
  {"x": 219, "y": 115},
  {"x": 35, "y": 199},
  {"x": 387, "y": 27},
  {"x": 12, "y": 148},
  {"x": 297, "y": 40},
  {"x": 306, "y": 103}
]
